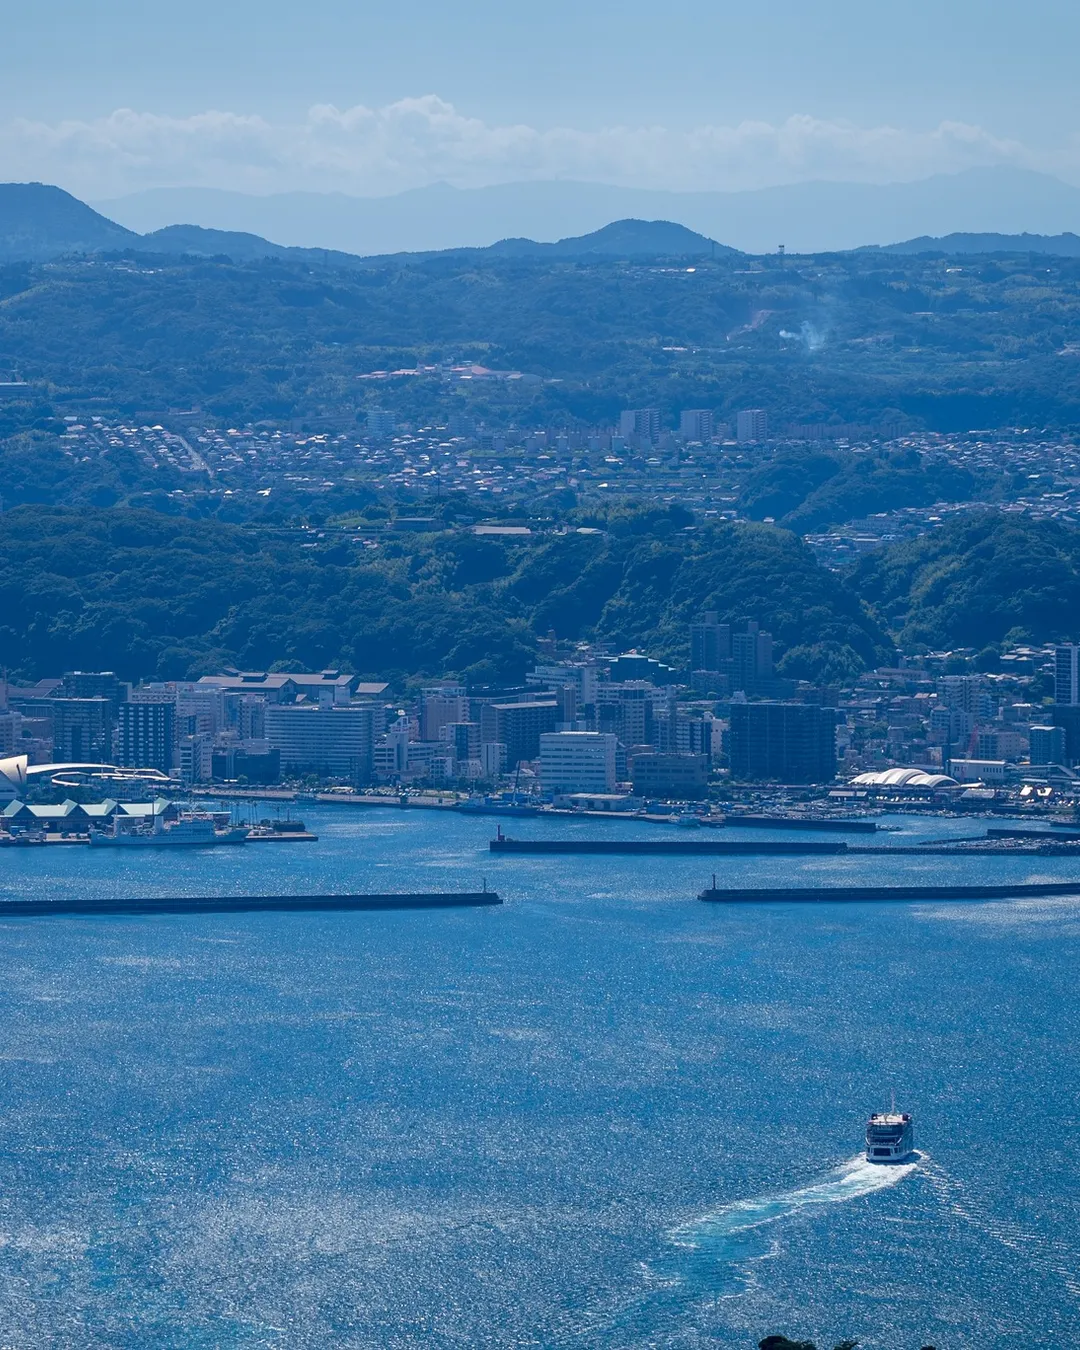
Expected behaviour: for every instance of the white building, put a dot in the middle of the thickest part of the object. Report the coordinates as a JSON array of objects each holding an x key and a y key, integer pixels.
[
  {"x": 751, "y": 426},
  {"x": 584, "y": 676},
  {"x": 577, "y": 761},
  {"x": 334, "y": 741}
]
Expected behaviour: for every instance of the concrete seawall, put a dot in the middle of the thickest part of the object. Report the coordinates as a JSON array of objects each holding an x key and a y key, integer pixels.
[
  {"x": 249, "y": 904},
  {"x": 685, "y": 847},
  {"x": 831, "y": 895}
]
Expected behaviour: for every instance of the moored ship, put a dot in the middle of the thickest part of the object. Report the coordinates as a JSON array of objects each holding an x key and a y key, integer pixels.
[
  {"x": 890, "y": 1137},
  {"x": 196, "y": 830}
]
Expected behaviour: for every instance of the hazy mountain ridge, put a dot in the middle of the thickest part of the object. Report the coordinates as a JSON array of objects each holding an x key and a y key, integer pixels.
[
  {"x": 38, "y": 222},
  {"x": 1066, "y": 245},
  {"x": 806, "y": 217}
]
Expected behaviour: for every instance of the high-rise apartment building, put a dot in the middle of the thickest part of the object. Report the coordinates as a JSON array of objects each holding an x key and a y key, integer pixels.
[
  {"x": 752, "y": 426},
  {"x": 751, "y": 658},
  {"x": 696, "y": 424},
  {"x": 782, "y": 742},
  {"x": 1048, "y": 745},
  {"x": 145, "y": 735},
  {"x": 710, "y": 642},
  {"x": 82, "y": 730},
  {"x": 518, "y": 726},
  {"x": 381, "y": 424},
  {"x": 644, "y": 423},
  {"x": 1067, "y": 674}
]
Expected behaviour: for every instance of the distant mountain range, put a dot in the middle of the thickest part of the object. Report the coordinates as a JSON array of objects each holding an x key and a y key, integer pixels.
[
  {"x": 1065, "y": 245},
  {"x": 806, "y": 217},
  {"x": 39, "y": 222}
]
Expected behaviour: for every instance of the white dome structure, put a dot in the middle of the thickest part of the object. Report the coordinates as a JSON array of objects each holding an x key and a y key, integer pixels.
[
  {"x": 904, "y": 778},
  {"x": 12, "y": 777}
]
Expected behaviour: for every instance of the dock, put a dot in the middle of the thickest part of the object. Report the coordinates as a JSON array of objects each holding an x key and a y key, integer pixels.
[
  {"x": 832, "y": 895},
  {"x": 249, "y": 904}
]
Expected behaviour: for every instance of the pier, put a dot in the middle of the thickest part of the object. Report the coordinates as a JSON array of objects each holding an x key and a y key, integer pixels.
[{"x": 250, "y": 904}]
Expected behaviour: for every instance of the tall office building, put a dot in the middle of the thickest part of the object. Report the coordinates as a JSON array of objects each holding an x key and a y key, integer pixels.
[
  {"x": 710, "y": 642},
  {"x": 1067, "y": 674},
  {"x": 752, "y": 426},
  {"x": 782, "y": 742},
  {"x": 696, "y": 424},
  {"x": 145, "y": 735}
]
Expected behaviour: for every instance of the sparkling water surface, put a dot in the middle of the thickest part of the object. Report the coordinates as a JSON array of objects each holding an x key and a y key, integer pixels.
[{"x": 603, "y": 1114}]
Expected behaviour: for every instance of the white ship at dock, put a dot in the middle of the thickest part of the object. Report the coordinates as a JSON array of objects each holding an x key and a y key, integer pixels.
[{"x": 199, "y": 829}]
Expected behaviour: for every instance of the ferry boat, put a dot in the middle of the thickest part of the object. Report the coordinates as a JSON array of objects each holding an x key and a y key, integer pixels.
[
  {"x": 890, "y": 1137},
  {"x": 195, "y": 830}
]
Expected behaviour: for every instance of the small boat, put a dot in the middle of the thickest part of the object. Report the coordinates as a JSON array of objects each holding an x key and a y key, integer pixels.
[{"x": 890, "y": 1137}]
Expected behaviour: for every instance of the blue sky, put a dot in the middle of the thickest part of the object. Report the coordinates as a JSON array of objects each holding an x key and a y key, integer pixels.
[{"x": 682, "y": 94}]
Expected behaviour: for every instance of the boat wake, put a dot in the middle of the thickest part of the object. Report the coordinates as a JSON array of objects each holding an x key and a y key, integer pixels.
[
  {"x": 730, "y": 1225},
  {"x": 718, "y": 1252}
]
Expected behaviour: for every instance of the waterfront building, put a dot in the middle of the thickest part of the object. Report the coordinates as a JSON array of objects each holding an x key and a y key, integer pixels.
[
  {"x": 332, "y": 741},
  {"x": 683, "y": 777},
  {"x": 145, "y": 735},
  {"x": 782, "y": 742},
  {"x": 577, "y": 761}
]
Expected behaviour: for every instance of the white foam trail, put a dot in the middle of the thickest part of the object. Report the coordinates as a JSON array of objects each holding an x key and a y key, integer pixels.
[{"x": 850, "y": 1181}]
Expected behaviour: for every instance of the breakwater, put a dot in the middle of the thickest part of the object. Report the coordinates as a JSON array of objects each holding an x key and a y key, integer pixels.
[
  {"x": 831, "y": 895},
  {"x": 248, "y": 904},
  {"x": 685, "y": 847}
]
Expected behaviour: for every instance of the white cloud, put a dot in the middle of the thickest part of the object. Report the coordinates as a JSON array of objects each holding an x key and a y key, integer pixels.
[{"x": 372, "y": 151}]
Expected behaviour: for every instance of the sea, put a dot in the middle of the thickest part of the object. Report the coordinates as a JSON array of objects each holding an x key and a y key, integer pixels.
[{"x": 603, "y": 1114}]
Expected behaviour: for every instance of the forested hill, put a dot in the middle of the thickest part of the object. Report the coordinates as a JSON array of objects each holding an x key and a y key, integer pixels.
[
  {"x": 865, "y": 338},
  {"x": 152, "y": 596},
  {"x": 156, "y": 596}
]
